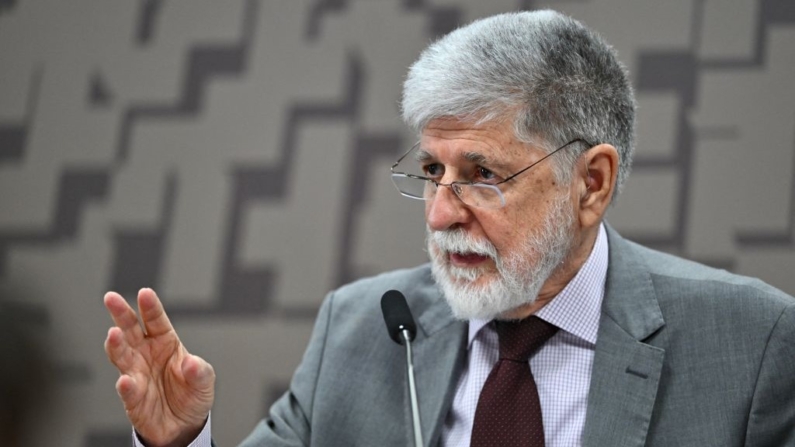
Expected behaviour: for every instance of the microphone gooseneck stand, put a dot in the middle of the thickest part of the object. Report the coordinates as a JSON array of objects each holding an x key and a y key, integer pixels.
[
  {"x": 415, "y": 408},
  {"x": 401, "y": 328}
]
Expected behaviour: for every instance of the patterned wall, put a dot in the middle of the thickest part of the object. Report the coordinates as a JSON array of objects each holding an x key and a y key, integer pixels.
[{"x": 233, "y": 155}]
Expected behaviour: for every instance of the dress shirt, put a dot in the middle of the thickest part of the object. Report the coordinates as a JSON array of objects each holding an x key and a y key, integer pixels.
[
  {"x": 203, "y": 440},
  {"x": 561, "y": 368}
]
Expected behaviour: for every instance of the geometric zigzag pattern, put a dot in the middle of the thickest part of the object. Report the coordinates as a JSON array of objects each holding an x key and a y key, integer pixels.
[{"x": 233, "y": 155}]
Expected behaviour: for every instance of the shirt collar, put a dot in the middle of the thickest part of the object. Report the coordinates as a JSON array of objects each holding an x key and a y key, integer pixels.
[{"x": 576, "y": 309}]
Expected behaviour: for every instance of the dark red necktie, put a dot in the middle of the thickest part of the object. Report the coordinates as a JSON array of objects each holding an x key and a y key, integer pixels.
[{"x": 509, "y": 412}]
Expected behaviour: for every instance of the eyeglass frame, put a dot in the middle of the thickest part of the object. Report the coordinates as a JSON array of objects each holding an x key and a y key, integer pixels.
[{"x": 481, "y": 184}]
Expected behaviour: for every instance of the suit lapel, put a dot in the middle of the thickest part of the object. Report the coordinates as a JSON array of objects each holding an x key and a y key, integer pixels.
[
  {"x": 626, "y": 371},
  {"x": 438, "y": 363}
]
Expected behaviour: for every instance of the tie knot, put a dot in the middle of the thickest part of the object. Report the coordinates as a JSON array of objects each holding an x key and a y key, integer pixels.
[{"x": 520, "y": 339}]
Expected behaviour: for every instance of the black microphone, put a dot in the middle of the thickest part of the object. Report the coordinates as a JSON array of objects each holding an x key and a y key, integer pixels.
[
  {"x": 397, "y": 316},
  {"x": 401, "y": 328}
]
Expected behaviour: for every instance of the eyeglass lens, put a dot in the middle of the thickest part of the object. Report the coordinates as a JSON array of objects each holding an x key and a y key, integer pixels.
[{"x": 484, "y": 196}]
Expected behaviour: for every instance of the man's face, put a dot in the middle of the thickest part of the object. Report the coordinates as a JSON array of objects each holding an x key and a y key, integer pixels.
[{"x": 490, "y": 262}]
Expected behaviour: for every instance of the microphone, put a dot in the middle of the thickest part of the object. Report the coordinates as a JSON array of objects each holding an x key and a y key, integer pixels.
[
  {"x": 398, "y": 317},
  {"x": 401, "y": 328}
]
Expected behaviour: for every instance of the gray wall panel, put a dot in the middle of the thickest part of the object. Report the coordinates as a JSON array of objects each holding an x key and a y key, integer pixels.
[{"x": 234, "y": 156}]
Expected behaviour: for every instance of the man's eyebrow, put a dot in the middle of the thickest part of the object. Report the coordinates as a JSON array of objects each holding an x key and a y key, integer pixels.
[
  {"x": 475, "y": 157},
  {"x": 480, "y": 159},
  {"x": 421, "y": 155}
]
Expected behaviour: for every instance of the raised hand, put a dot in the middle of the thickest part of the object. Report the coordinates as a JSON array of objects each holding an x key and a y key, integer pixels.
[{"x": 166, "y": 391}]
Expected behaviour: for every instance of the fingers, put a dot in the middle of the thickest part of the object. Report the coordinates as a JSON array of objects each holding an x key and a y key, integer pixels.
[
  {"x": 198, "y": 373},
  {"x": 124, "y": 317},
  {"x": 155, "y": 320},
  {"x": 118, "y": 350},
  {"x": 129, "y": 391}
]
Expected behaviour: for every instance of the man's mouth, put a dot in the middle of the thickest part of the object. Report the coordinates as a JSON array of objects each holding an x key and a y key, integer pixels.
[{"x": 467, "y": 259}]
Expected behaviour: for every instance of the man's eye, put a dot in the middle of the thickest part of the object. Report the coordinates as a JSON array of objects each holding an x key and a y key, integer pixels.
[
  {"x": 433, "y": 170},
  {"x": 486, "y": 175}
]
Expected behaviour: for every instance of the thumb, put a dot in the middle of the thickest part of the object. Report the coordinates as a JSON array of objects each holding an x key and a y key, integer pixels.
[{"x": 197, "y": 372}]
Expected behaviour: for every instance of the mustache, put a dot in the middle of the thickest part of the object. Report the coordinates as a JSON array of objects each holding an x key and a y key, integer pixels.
[{"x": 458, "y": 241}]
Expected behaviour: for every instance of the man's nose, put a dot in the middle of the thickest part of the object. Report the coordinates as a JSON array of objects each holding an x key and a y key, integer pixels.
[{"x": 445, "y": 210}]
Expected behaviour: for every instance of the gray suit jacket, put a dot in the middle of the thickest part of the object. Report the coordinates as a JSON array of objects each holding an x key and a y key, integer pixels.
[{"x": 686, "y": 356}]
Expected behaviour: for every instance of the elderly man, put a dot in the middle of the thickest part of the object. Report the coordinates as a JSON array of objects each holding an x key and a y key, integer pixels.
[{"x": 537, "y": 323}]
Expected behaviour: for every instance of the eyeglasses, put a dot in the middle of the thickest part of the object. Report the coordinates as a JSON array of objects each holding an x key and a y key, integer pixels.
[{"x": 478, "y": 194}]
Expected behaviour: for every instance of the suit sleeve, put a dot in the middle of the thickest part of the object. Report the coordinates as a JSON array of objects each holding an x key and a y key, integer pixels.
[
  {"x": 772, "y": 418},
  {"x": 289, "y": 423}
]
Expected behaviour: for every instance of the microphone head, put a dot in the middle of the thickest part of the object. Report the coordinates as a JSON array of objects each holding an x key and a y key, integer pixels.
[{"x": 397, "y": 316}]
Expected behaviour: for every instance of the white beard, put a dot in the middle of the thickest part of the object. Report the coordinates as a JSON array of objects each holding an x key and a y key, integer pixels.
[{"x": 520, "y": 275}]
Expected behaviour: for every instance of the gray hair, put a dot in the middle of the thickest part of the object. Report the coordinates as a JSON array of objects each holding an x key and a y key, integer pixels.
[{"x": 556, "y": 79}]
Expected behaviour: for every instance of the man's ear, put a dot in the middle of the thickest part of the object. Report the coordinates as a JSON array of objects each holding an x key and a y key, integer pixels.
[{"x": 596, "y": 181}]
